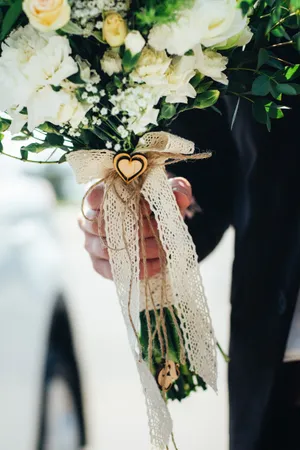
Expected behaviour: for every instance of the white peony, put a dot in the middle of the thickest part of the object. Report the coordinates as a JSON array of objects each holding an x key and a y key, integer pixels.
[
  {"x": 111, "y": 62},
  {"x": 134, "y": 42},
  {"x": 208, "y": 22},
  {"x": 211, "y": 64},
  {"x": 238, "y": 40},
  {"x": 151, "y": 67},
  {"x": 178, "y": 88}
]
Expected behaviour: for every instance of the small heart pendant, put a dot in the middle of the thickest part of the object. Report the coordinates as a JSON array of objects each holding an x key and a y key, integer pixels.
[{"x": 130, "y": 167}]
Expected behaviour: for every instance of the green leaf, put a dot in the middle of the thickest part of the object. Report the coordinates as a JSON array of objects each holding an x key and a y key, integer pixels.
[
  {"x": 24, "y": 154},
  {"x": 196, "y": 80},
  {"x": 62, "y": 159},
  {"x": 261, "y": 86},
  {"x": 263, "y": 57},
  {"x": 35, "y": 148},
  {"x": 275, "y": 112},
  {"x": 203, "y": 87},
  {"x": 292, "y": 72},
  {"x": 72, "y": 28},
  {"x": 98, "y": 35},
  {"x": 55, "y": 140},
  {"x": 259, "y": 111},
  {"x": 23, "y": 137},
  {"x": 10, "y": 18},
  {"x": 288, "y": 89},
  {"x": 1, "y": 136},
  {"x": 168, "y": 111},
  {"x": 206, "y": 99},
  {"x": 129, "y": 61},
  {"x": 4, "y": 124}
]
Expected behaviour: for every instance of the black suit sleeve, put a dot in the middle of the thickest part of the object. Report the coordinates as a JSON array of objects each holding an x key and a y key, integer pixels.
[{"x": 213, "y": 180}]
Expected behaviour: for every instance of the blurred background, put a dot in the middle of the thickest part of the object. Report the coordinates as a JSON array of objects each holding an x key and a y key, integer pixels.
[{"x": 67, "y": 377}]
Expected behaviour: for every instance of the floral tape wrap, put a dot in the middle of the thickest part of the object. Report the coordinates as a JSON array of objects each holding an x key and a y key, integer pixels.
[{"x": 185, "y": 289}]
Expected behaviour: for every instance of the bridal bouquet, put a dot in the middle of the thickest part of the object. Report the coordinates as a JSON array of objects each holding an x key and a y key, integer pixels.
[{"x": 102, "y": 80}]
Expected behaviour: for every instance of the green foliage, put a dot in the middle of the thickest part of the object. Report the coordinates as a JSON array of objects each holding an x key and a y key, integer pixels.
[
  {"x": 151, "y": 12},
  {"x": 168, "y": 111},
  {"x": 206, "y": 99},
  {"x": 10, "y": 18}
]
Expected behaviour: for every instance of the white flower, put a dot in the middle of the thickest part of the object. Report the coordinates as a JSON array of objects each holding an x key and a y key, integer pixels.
[
  {"x": 111, "y": 62},
  {"x": 220, "y": 20},
  {"x": 87, "y": 74},
  {"x": 134, "y": 42},
  {"x": 209, "y": 22},
  {"x": 140, "y": 124},
  {"x": 178, "y": 88},
  {"x": 141, "y": 114},
  {"x": 211, "y": 64},
  {"x": 30, "y": 62},
  {"x": 51, "y": 64},
  {"x": 117, "y": 147},
  {"x": 62, "y": 107},
  {"x": 151, "y": 67},
  {"x": 104, "y": 111}
]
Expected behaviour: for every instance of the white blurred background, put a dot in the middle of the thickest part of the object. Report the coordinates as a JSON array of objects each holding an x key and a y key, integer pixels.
[{"x": 47, "y": 286}]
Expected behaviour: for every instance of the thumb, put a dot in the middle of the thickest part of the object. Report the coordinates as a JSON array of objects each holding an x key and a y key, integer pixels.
[{"x": 183, "y": 192}]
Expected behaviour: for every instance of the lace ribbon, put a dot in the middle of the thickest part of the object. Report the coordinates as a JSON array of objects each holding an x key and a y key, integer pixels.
[{"x": 185, "y": 289}]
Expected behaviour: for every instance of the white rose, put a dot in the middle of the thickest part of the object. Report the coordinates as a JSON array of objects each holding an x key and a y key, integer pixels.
[
  {"x": 211, "y": 64},
  {"x": 208, "y": 22},
  {"x": 134, "y": 42},
  {"x": 219, "y": 20},
  {"x": 238, "y": 40},
  {"x": 151, "y": 67},
  {"x": 111, "y": 62},
  {"x": 178, "y": 88}
]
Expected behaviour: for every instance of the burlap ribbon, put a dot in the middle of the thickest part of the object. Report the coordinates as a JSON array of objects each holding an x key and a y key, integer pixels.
[{"x": 121, "y": 216}]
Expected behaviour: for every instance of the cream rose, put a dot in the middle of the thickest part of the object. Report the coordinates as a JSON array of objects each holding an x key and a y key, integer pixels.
[
  {"x": 151, "y": 67},
  {"x": 111, "y": 62},
  {"x": 114, "y": 30},
  {"x": 45, "y": 15}
]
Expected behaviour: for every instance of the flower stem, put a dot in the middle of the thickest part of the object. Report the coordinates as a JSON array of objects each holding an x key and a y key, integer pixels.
[
  {"x": 226, "y": 358},
  {"x": 30, "y": 160}
]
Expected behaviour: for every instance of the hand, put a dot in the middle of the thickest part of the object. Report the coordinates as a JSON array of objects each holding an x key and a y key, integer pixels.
[{"x": 95, "y": 246}]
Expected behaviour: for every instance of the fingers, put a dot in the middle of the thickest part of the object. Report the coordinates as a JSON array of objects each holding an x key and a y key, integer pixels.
[
  {"x": 102, "y": 267},
  {"x": 95, "y": 197},
  {"x": 183, "y": 193}
]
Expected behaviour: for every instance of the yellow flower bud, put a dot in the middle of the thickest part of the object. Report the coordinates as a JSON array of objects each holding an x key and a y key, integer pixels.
[
  {"x": 114, "y": 30},
  {"x": 46, "y": 15}
]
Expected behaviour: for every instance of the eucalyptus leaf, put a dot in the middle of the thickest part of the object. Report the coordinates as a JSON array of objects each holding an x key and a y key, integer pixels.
[
  {"x": 261, "y": 86},
  {"x": 4, "y": 124},
  {"x": 263, "y": 57},
  {"x": 288, "y": 89}
]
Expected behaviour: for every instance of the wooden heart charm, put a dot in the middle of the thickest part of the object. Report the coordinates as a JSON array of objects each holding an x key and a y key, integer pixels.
[
  {"x": 130, "y": 167},
  {"x": 168, "y": 375}
]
